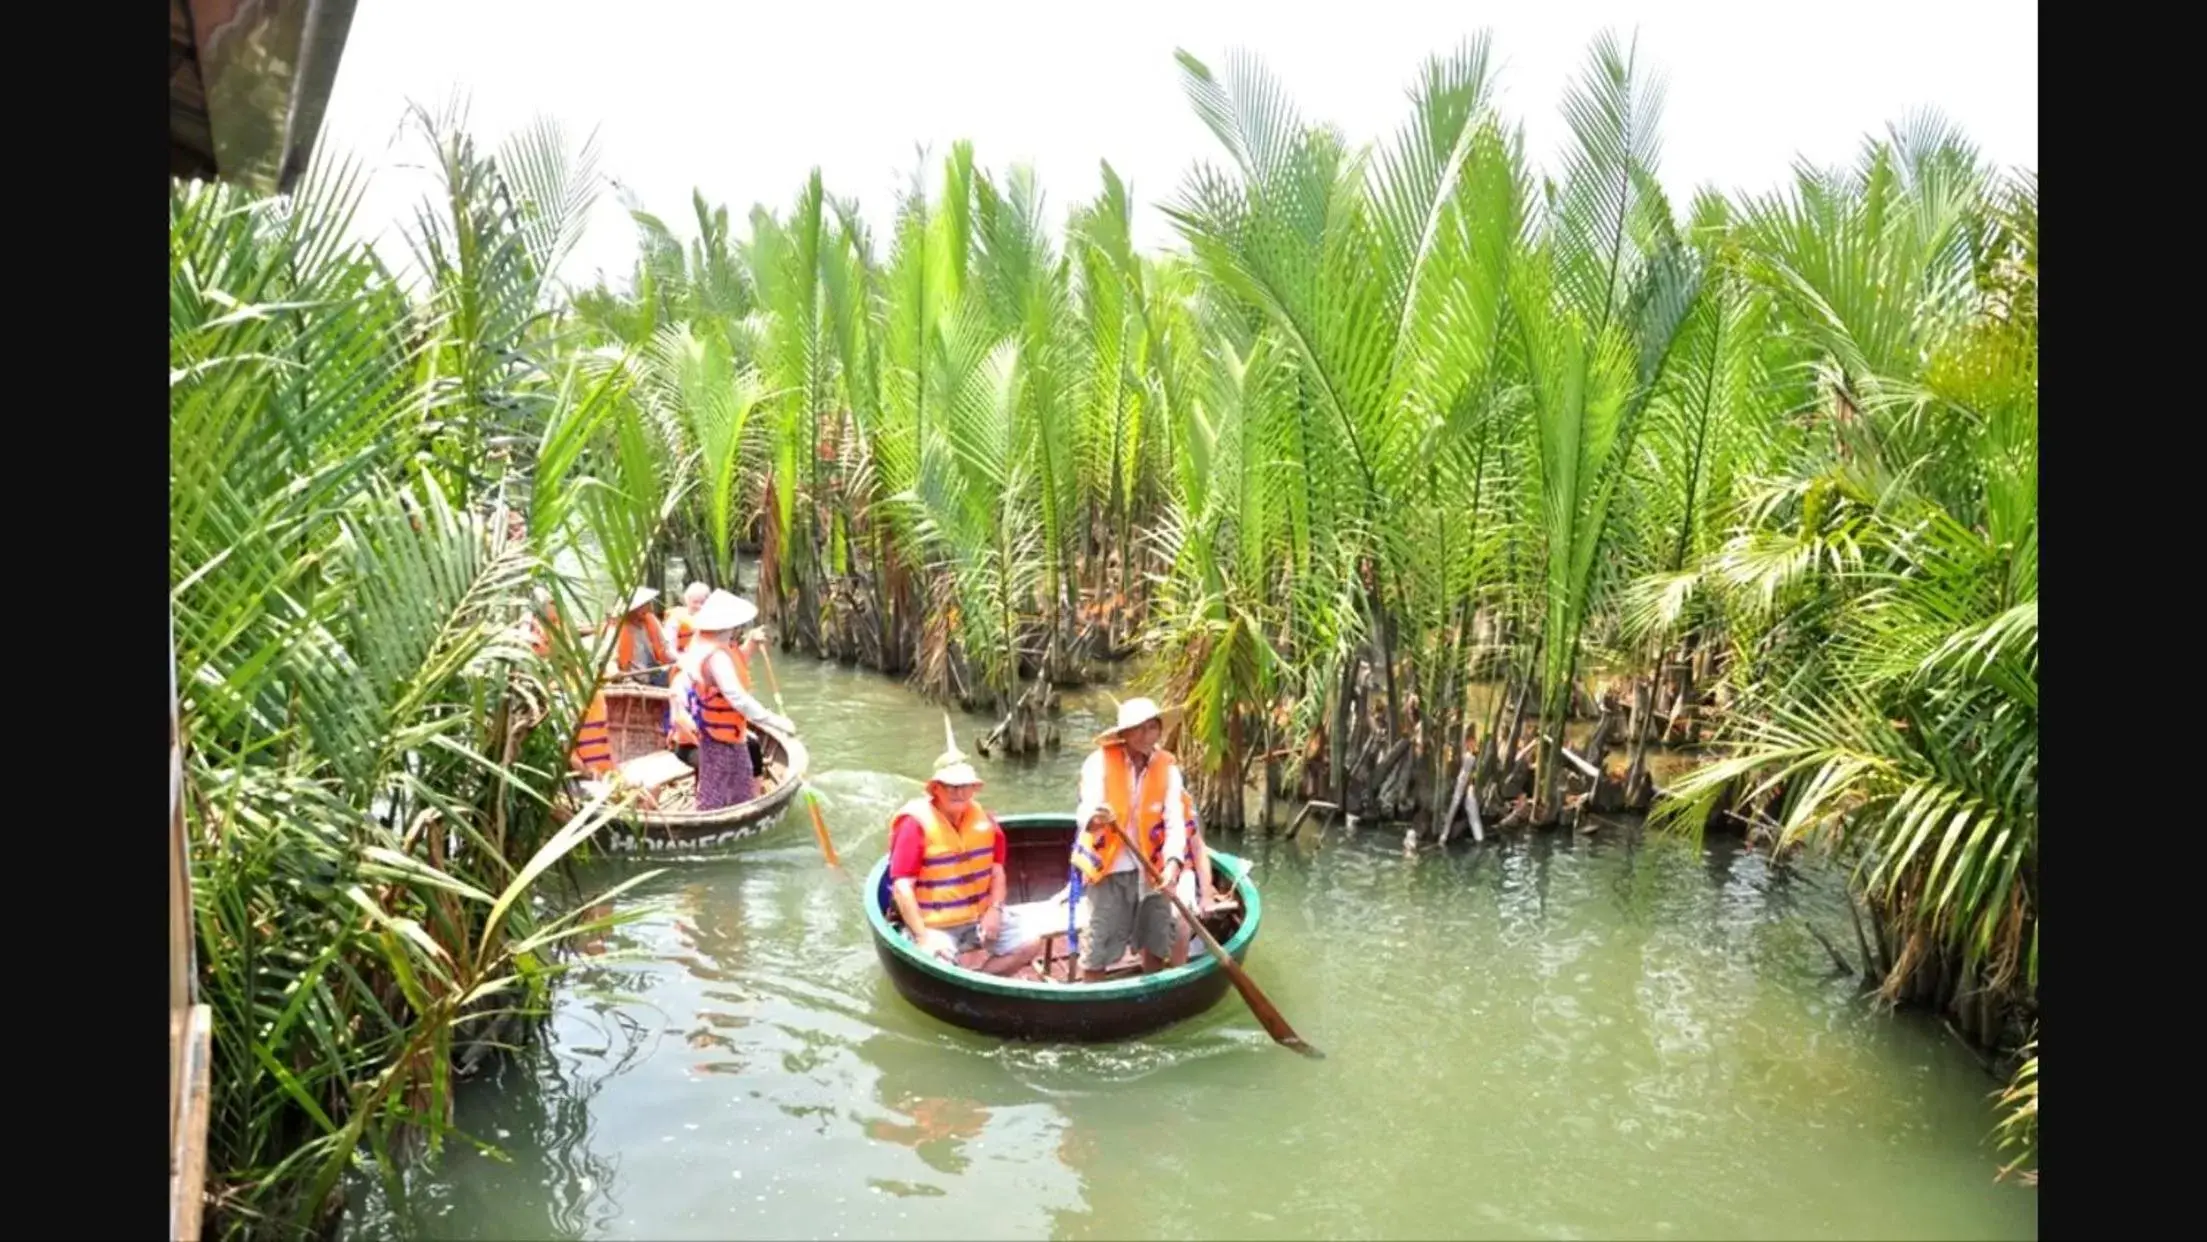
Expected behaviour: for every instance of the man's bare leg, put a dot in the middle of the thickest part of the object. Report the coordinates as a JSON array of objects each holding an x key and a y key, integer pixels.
[{"x": 1015, "y": 961}]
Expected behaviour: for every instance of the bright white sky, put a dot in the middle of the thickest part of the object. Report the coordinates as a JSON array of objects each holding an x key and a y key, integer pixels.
[{"x": 742, "y": 100}]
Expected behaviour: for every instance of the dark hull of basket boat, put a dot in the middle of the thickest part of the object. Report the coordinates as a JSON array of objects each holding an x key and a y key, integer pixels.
[
  {"x": 1125, "y": 1006},
  {"x": 636, "y": 716}
]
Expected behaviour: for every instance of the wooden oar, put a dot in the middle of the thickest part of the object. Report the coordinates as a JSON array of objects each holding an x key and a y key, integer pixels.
[
  {"x": 772, "y": 682},
  {"x": 820, "y": 829},
  {"x": 1259, "y": 1004},
  {"x": 812, "y": 800}
]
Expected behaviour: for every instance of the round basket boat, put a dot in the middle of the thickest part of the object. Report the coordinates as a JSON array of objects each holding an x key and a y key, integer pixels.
[
  {"x": 1124, "y": 1006},
  {"x": 636, "y": 719}
]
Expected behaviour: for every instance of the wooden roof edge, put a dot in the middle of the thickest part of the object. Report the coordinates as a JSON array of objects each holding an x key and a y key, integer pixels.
[{"x": 263, "y": 75}]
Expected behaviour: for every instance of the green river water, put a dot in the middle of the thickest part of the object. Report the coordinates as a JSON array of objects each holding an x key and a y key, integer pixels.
[{"x": 1556, "y": 1037}]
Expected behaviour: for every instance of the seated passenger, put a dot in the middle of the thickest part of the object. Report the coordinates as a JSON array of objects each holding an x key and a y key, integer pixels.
[{"x": 946, "y": 874}]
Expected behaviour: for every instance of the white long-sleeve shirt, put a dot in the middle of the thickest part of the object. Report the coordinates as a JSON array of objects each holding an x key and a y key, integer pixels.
[
  {"x": 723, "y": 673},
  {"x": 1092, "y": 798}
]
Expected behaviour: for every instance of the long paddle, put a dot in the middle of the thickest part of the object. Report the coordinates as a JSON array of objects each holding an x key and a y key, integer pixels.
[
  {"x": 820, "y": 830},
  {"x": 773, "y": 683},
  {"x": 812, "y": 800},
  {"x": 1259, "y": 1004}
]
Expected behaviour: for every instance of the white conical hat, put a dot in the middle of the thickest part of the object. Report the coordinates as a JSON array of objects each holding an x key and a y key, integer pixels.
[
  {"x": 643, "y": 596},
  {"x": 956, "y": 774},
  {"x": 951, "y": 767},
  {"x": 1134, "y": 712},
  {"x": 723, "y": 611}
]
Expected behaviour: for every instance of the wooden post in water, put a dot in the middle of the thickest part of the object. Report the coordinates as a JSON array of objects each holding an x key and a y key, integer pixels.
[{"x": 191, "y": 1026}]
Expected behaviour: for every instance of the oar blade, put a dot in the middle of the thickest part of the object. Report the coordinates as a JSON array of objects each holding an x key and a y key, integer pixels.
[
  {"x": 1251, "y": 995},
  {"x": 1267, "y": 1015}
]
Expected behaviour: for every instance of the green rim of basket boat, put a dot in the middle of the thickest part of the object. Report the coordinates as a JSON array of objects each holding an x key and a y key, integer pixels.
[{"x": 1115, "y": 989}]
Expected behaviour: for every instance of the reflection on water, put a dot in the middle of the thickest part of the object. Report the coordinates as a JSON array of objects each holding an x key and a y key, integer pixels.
[
  {"x": 550, "y": 1180},
  {"x": 1566, "y": 1036}
]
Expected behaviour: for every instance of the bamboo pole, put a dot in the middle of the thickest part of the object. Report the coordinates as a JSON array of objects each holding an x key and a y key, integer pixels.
[{"x": 191, "y": 1025}]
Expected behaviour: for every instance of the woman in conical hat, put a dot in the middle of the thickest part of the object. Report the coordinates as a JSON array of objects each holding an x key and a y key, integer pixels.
[{"x": 721, "y": 706}]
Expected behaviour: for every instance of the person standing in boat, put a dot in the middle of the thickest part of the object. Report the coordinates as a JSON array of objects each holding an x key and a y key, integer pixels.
[
  {"x": 681, "y": 704},
  {"x": 681, "y": 726},
  {"x": 642, "y": 642},
  {"x": 682, "y": 618},
  {"x": 721, "y": 706},
  {"x": 946, "y": 874},
  {"x": 1129, "y": 780}
]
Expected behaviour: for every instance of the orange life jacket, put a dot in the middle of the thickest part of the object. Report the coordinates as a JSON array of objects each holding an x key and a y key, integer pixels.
[
  {"x": 1096, "y": 850},
  {"x": 678, "y": 619},
  {"x": 735, "y": 652},
  {"x": 708, "y": 706},
  {"x": 958, "y": 865},
  {"x": 624, "y": 647},
  {"x": 594, "y": 740}
]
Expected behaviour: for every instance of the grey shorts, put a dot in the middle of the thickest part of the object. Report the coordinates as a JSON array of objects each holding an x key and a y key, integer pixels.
[
  {"x": 1119, "y": 910},
  {"x": 1011, "y": 935}
]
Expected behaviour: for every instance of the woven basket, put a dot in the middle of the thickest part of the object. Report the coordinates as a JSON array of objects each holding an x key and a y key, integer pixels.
[{"x": 638, "y": 723}]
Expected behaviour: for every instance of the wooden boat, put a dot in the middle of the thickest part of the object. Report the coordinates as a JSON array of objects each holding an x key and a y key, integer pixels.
[
  {"x": 636, "y": 718},
  {"x": 1126, "y": 1005}
]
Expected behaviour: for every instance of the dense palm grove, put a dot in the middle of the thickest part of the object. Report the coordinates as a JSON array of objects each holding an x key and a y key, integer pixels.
[
  {"x": 364, "y": 488},
  {"x": 1408, "y": 462}
]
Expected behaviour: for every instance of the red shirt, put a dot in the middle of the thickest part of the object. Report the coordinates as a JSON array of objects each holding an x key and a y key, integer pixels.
[{"x": 908, "y": 847}]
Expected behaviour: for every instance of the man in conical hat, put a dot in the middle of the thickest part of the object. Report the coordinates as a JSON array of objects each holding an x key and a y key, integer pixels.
[
  {"x": 946, "y": 873},
  {"x": 1128, "y": 780},
  {"x": 640, "y": 642}
]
